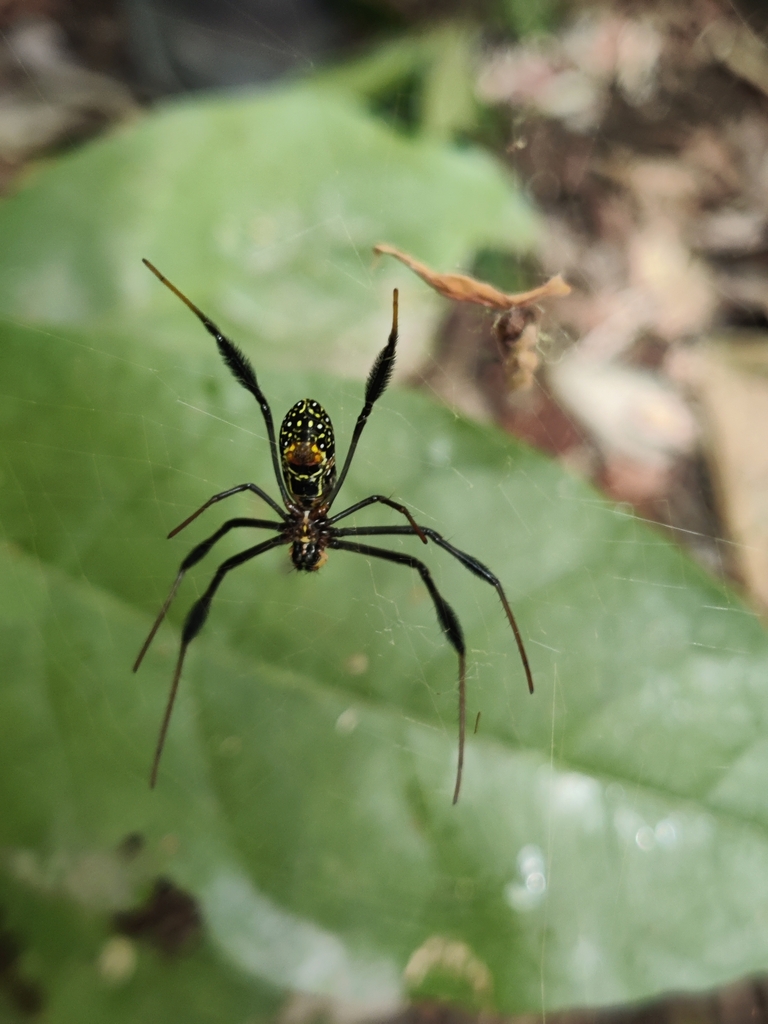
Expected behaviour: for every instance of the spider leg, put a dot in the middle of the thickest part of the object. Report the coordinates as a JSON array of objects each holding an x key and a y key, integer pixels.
[
  {"x": 240, "y": 367},
  {"x": 378, "y": 378},
  {"x": 227, "y": 494},
  {"x": 448, "y": 621},
  {"x": 193, "y": 623},
  {"x": 196, "y": 555},
  {"x": 383, "y": 501},
  {"x": 468, "y": 561}
]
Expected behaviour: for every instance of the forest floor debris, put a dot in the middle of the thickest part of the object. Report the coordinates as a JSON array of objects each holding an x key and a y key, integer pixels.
[{"x": 640, "y": 132}]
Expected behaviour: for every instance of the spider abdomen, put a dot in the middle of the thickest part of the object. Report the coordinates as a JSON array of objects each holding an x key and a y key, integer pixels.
[{"x": 307, "y": 452}]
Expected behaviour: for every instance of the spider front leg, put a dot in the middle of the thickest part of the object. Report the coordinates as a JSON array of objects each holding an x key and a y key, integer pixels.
[
  {"x": 228, "y": 494},
  {"x": 373, "y": 498},
  {"x": 468, "y": 561},
  {"x": 196, "y": 555},
  {"x": 193, "y": 623},
  {"x": 448, "y": 621},
  {"x": 378, "y": 378},
  {"x": 239, "y": 366}
]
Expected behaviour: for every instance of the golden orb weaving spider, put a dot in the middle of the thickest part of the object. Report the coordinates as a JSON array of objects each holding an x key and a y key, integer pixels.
[{"x": 305, "y": 471}]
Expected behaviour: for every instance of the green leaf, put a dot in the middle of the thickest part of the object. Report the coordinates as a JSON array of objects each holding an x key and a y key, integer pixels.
[
  {"x": 310, "y": 762},
  {"x": 527, "y": 18},
  {"x": 611, "y": 838},
  {"x": 72, "y": 967},
  {"x": 448, "y": 103}
]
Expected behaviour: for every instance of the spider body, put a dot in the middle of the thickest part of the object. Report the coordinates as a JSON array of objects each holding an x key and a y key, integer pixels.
[{"x": 305, "y": 471}]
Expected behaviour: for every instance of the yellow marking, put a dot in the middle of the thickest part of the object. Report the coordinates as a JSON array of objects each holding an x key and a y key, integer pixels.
[
  {"x": 320, "y": 562},
  {"x": 299, "y": 453}
]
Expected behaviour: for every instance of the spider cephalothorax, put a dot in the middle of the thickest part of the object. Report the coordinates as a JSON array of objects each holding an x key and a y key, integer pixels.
[{"x": 308, "y": 486}]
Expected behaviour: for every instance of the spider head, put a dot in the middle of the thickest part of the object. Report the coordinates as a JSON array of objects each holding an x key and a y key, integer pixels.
[
  {"x": 308, "y": 555},
  {"x": 307, "y": 451}
]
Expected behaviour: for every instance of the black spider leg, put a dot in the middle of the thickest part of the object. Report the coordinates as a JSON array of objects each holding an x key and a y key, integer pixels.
[
  {"x": 378, "y": 378},
  {"x": 468, "y": 561},
  {"x": 197, "y": 554},
  {"x": 448, "y": 621},
  {"x": 193, "y": 623},
  {"x": 370, "y": 500},
  {"x": 227, "y": 494},
  {"x": 240, "y": 367}
]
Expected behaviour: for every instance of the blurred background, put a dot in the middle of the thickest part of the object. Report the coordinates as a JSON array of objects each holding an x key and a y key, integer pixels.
[{"x": 634, "y": 137}]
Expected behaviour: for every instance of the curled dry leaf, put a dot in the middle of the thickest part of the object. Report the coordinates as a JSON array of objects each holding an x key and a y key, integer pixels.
[
  {"x": 467, "y": 289},
  {"x": 515, "y": 330}
]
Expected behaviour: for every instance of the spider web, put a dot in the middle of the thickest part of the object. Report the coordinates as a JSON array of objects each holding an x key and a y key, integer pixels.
[{"x": 315, "y": 739}]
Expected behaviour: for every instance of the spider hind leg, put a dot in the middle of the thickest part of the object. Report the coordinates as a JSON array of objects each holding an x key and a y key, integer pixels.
[
  {"x": 193, "y": 623},
  {"x": 449, "y": 623}
]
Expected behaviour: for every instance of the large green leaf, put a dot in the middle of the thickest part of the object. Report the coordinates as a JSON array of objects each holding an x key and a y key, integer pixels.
[
  {"x": 309, "y": 768},
  {"x": 612, "y": 834}
]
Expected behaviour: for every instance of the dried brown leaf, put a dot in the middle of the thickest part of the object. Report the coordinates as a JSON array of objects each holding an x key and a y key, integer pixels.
[{"x": 462, "y": 288}]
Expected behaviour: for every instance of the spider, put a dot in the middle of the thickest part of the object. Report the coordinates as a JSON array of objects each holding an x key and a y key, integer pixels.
[{"x": 305, "y": 470}]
